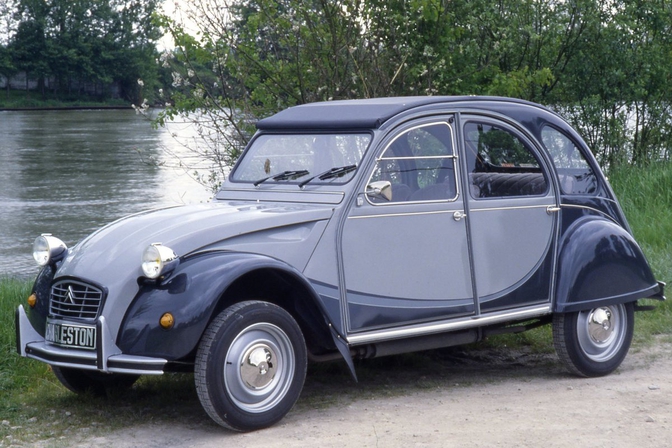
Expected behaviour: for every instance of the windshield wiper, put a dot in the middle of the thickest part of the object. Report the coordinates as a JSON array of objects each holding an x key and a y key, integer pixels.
[
  {"x": 330, "y": 174},
  {"x": 285, "y": 175}
]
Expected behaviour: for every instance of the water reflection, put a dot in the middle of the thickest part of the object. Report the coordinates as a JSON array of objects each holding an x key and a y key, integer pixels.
[{"x": 70, "y": 172}]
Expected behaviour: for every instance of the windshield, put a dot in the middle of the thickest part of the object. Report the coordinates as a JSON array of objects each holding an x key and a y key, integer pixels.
[{"x": 294, "y": 158}]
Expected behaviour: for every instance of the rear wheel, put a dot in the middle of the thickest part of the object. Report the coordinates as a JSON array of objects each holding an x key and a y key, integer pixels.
[
  {"x": 594, "y": 342},
  {"x": 250, "y": 366},
  {"x": 97, "y": 383}
]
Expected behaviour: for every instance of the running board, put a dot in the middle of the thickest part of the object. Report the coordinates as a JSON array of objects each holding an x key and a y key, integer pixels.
[{"x": 446, "y": 326}]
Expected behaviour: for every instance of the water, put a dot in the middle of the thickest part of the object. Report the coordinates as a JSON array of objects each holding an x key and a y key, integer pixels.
[{"x": 70, "y": 172}]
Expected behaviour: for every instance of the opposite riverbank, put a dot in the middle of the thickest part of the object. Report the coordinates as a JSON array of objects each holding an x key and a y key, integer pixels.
[
  {"x": 57, "y": 108},
  {"x": 20, "y": 100}
]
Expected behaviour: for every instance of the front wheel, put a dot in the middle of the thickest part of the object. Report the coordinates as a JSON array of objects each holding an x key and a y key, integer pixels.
[
  {"x": 250, "y": 366},
  {"x": 594, "y": 342}
]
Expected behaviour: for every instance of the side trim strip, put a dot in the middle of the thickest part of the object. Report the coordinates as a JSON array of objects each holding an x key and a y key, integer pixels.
[
  {"x": 437, "y": 212},
  {"x": 516, "y": 207},
  {"x": 448, "y": 325},
  {"x": 592, "y": 209}
]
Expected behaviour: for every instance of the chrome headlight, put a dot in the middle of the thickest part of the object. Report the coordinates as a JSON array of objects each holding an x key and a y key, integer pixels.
[
  {"x": 48, "y": 248},
  {"x": 156, "y": 259}
]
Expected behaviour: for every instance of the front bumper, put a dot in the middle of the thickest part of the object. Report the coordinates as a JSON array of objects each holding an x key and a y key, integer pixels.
[{"x": 107, "y": 357}]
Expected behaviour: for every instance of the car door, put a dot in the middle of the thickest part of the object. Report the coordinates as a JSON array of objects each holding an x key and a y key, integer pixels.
[
  {"x": 512, "y": 214},
  {"x": 406, "y": 259}
]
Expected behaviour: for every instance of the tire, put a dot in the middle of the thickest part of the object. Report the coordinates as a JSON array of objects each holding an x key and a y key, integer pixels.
[
  {"x": 96, "y": 383},
  {"x": 250, "y": 366},
  {"x": 594, "y": 343}
]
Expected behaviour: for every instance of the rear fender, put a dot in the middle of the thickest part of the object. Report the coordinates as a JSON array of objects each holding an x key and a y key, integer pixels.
[
  {"x": 203, "y": 285},
  {"x": 600, "y": 263}
]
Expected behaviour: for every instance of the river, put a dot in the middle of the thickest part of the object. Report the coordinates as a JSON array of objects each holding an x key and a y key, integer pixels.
[{"x": 69, "y": 172}]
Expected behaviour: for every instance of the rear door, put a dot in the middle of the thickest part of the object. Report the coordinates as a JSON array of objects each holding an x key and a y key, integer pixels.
[{"x": 512, "y": 213}]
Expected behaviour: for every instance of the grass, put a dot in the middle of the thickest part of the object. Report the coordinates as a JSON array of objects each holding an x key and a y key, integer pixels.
[
  {"x": 34, "y": 406},
  {"x": 645, "y": 193}
]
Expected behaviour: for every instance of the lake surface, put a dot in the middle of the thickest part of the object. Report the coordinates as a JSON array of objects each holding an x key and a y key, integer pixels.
[{"x": 70, "y": 172}]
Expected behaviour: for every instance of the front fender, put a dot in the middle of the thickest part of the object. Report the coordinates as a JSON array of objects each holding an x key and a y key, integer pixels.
[
  {"x": 192, "y": 295},
  {"x": 600, "y": 263}
]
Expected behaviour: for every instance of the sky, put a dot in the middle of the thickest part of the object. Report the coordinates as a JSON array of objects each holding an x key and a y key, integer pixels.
[{"x": 172, "y": 9}]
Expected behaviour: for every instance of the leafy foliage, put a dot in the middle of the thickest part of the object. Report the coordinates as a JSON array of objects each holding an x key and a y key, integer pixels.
[
  {"x": 605, "y": 65},
  {"x": 81, "y": 42}
]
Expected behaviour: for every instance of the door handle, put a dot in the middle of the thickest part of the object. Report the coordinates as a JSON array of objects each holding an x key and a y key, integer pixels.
[
  {"x": 458, "y": 215},
  {"x": 552, "y": 209}
]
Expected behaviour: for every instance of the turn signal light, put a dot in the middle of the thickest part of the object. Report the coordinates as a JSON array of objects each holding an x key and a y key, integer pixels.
[
  {"x": 32, "y": 300},
  {"x": 167, "y": 321}
]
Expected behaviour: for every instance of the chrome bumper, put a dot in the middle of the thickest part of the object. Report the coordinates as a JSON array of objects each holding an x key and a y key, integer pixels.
[{"x": 106, "y": 358}]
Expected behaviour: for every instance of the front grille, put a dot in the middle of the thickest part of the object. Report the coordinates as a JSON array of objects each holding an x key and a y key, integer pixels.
[{"x": 70, "y": 298}]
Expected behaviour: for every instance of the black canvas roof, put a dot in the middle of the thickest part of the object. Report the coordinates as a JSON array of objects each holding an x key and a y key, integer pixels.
[{"x": 358, "y": 114}]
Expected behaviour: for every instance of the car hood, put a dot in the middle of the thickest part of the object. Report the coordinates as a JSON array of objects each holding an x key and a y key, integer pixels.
[
  {"x": 111, "y": 257},
  {"x": 118, "y": 246}
]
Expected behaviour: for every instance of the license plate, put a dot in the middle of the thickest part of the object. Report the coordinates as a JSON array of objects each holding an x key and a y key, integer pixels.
[{"x": 67, "y": 335}]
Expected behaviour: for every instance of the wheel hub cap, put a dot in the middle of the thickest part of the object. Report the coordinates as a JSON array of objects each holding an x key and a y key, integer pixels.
[
  {"x": 257, "y": 368},
  {"x": 600, "y": 324}
]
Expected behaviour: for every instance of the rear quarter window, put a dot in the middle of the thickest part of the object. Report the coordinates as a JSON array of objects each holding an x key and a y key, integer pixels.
[{"x": 574, "y": 172}]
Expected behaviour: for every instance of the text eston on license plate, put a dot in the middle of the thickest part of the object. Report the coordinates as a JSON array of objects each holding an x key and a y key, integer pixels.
[{"x": 71, "y": 336}]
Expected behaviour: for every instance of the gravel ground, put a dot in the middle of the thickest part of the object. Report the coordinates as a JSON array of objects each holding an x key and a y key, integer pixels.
[{"x": 480, "y": 400}]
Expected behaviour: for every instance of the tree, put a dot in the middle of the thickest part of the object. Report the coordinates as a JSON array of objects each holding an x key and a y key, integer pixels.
[
  {"x": 78, "y": 42},
  {"x": 605, "y": 64},
  {"x": 617, "y": 90}
]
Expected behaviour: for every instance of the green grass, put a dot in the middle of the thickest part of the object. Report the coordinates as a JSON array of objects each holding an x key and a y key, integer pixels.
[
  {"x": 34, "y": 406},
  {"x": 645, "y": 193}
]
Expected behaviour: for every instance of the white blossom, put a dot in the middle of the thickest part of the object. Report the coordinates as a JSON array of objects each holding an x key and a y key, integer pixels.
[
  {"x": 165, "y": 58},
  {"x": 141, "y": 109},
  {"x": 177, "y": 79}
]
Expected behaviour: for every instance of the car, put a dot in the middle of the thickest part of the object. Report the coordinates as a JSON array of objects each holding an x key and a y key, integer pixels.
[{"x": 349, "y": 229}]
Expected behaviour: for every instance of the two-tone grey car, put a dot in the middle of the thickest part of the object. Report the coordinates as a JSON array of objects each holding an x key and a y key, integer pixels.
[{"x": 349, "y": 229}]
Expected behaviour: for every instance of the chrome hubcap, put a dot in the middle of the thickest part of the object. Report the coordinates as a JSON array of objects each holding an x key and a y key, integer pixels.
[
  {"x": 257, "y": 369},
  {"x": 600, "y": 326}
]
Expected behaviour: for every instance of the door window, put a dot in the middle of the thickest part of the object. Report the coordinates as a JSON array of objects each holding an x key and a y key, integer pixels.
[
  {"x": 500, "y": 164},
  {"x": 420, "y": 165}
]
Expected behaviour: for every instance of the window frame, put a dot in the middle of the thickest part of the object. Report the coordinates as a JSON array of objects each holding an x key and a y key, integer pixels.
[
  {"x": 543, "y": 167},
  {"x": 453, "y": 157}
]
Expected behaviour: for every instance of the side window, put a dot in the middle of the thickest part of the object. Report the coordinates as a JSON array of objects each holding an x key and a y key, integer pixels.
[
  {"x": 500, "y": 164},
  {"x": 420, "y": 165},
  {"x": 575, "y": 174}
]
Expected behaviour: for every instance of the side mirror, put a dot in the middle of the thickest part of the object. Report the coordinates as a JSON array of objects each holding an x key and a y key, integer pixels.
[{"x": 381, "y": 189}]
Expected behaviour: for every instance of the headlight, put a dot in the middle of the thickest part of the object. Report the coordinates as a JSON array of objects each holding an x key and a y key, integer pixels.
[
  {"x": 47, "y": 248},
  {"x": 155, "y": 260}
]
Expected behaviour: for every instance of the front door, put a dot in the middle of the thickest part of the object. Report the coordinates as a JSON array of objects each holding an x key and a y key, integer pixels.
[
  {"x": 512, "y": 214},
  {"x": 406, "y": 260}
]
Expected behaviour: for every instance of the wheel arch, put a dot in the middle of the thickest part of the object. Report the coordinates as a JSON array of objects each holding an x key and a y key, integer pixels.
[
  {"x": 600, "y": 263},
  {"x": 283, "y": 286},
  {"x": 205, "y": 284}
]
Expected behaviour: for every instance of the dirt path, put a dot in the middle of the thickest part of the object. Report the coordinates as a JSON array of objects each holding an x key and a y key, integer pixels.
[{"x": 522, "y": 401}]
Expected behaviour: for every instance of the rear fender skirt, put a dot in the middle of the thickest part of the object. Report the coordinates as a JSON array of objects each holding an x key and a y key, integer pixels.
[{"x": 600, "y": 263}]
